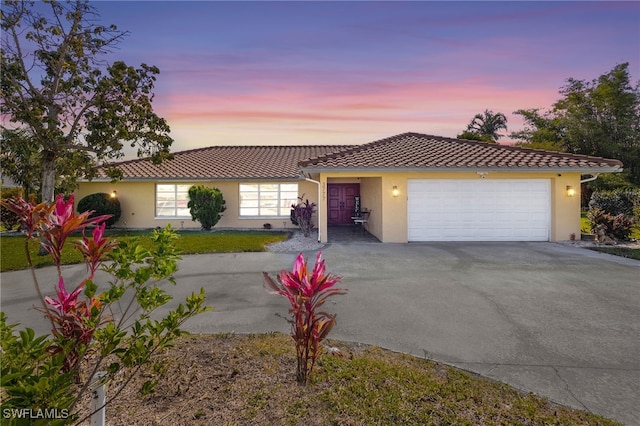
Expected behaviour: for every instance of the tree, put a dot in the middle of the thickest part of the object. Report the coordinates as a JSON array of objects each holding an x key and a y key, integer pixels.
[
  {"x": 19, "y": 159},
  {"x": 474, "y": 136},
  {"x": 205, "y": 205},
  {"x": 61, "y": 97},
  {"x": 602, "y": 118},
  {"x": 599, "y": 117},
  {"x": 486, "y": 126},
  {"x": 541, "y": 131}
]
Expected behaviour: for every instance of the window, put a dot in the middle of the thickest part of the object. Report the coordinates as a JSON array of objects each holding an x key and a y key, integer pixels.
[
  {"x": 267, "y": 199},
  {"x": 172, "y": 200}
]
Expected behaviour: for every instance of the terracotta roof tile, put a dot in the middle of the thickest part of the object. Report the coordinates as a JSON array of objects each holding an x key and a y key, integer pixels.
[
  {"x": 227, "y": 162},
  {"x": 407, "y": 151},
  {"x": 420, "y": 151}
]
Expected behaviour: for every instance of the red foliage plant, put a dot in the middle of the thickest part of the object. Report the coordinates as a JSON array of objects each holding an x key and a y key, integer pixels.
[
  {"x": 73, "y": 321},
  {"x": 87, "y": 333},
  {"x": 306, "y": 293},
  {"x": 301, "y": 215}
]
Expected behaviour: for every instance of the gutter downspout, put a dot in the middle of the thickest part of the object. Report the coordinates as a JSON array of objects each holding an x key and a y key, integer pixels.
[
  {"x": 319, "y": 209},
  {"x": 592, "y": 178}
]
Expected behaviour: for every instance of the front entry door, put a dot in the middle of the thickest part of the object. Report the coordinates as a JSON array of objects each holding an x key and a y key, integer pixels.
[{"x": 341, "y": 202}]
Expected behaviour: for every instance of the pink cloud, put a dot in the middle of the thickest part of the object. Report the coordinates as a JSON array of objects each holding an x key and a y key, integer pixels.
[
  {"x": 369, "y": 110},
  {"x": 364, "y": 97}
]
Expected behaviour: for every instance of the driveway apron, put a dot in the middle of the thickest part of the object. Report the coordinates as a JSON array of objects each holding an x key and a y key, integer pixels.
[{"x": 558, "y": 321}]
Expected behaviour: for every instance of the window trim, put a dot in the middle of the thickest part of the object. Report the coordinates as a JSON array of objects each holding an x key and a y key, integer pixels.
[
  {"x": 279, "y": 199},
  {"x": 176, "y": 208}
]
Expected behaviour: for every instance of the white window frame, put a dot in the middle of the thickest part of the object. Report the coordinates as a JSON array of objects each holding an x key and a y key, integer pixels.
[
  {"x": 179, "y": 190},
  {"x": 257, "y": 200}
]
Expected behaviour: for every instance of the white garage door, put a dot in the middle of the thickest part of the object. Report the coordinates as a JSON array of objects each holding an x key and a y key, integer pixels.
[{"x": 478, "y": 209}]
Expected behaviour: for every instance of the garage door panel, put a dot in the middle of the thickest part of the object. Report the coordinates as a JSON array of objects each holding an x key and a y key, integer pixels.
[{"x": 478, "y": 210}]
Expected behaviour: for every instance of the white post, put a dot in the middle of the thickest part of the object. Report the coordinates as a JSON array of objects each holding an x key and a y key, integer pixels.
[{"x": 98, "y": 399}]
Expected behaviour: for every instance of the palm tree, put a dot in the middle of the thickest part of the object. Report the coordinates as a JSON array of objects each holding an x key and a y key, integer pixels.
[{"x": 487, "y": 124}]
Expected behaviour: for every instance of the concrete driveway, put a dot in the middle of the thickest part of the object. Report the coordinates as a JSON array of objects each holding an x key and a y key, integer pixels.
[{"x": 559, "y": 321}]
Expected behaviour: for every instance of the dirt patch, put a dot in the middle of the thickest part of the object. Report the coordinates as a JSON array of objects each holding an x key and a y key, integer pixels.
[
  {"x": 217, "y": 380},
  {"x": 250, "y": 380}
]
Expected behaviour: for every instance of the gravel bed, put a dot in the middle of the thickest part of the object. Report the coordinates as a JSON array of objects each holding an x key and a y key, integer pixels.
[
  {"x": 587, "y": 244},
  {"x": 297, "y": 242}
]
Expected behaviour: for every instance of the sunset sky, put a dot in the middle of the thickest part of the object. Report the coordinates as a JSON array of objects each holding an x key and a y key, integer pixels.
[{"x": 353, "y": 72}]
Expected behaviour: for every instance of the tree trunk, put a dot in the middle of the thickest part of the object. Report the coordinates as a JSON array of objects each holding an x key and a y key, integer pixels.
[
  {"x": 48, "y": 179},
  {"x": 48, "y": 186}
]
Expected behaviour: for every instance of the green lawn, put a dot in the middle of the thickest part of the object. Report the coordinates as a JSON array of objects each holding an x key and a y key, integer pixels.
[
  {"x": 631, "y": 253},
  {"x": 12, "y": 256},
  {"x": 585, "y": 225}
]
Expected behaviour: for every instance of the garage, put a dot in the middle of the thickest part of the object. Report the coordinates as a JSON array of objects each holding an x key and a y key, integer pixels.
[{"x": 478, "y": 209}]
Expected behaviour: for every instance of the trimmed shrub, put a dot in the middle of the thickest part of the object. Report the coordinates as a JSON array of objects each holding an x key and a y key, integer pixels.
[
  {"x": 101, "y": 204},
  {"x": 623, "y": 201},
  {"x": 205, "y": 205},
  {"x": 8, "y": 218}
]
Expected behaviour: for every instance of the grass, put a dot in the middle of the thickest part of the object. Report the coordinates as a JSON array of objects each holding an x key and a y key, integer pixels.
[
  {"x": 627, "y": 252},
  {"x": 585, "y": 225},
  {"x": 12, "y": 256},
  {"x": 250, "y": 379}
]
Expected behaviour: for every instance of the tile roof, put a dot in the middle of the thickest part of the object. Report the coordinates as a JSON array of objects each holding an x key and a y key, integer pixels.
[
  {"x": 404, "y": 152},
  {"x": 227, "y": 162},
  {"x": 415, "y": 151}
]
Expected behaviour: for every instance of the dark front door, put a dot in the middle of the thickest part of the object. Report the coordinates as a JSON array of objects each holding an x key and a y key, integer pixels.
[{"x": 341, "y": 202}]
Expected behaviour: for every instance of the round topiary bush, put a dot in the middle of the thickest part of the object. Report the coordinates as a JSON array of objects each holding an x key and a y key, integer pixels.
[
  {"x": 620, "y": 201},
  {"x": 101, "y": 204}
]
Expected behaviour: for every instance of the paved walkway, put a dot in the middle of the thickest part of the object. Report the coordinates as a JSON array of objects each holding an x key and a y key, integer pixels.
[
  {"x": 562, "y": 322},
  {"x": 350, "y": 234}
]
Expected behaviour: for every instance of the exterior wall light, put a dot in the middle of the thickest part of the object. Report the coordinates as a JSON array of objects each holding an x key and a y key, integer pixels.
[
  {"x": 114, "y": 194},
  {"x": 571, "y": 192},
  {"x": 395, "y": 191}
]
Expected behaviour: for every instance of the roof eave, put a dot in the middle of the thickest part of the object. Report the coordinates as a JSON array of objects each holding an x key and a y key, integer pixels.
[
  {"x": 600, "y": 169},
  {"x": 190, "y": 179}
]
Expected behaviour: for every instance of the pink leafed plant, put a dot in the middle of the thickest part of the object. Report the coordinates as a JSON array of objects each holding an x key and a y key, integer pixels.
[
  {"x": 73, "y": 321},
  {"x": 93, "y": 249},
  {"x": 83, "y": 321},
  {"x": 306, "y": 293},
  {"x": 61, "y": 223}
]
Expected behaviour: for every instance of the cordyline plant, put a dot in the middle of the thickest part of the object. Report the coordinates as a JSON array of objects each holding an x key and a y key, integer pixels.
[
  {"x": 301, "y": 215},
  {"x": 306, "y": 293},
  {"x": 90, "y": 332}
]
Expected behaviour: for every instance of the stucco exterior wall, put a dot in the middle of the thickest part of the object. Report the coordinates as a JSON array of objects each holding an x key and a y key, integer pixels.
[
  {"x": 137, "y": 201},
  {"x": 388, "y": 220},
  {"x": 389, "y": 217},
  {"x": 371, "y": 198},
  {"x": 564, "y": 209}
]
